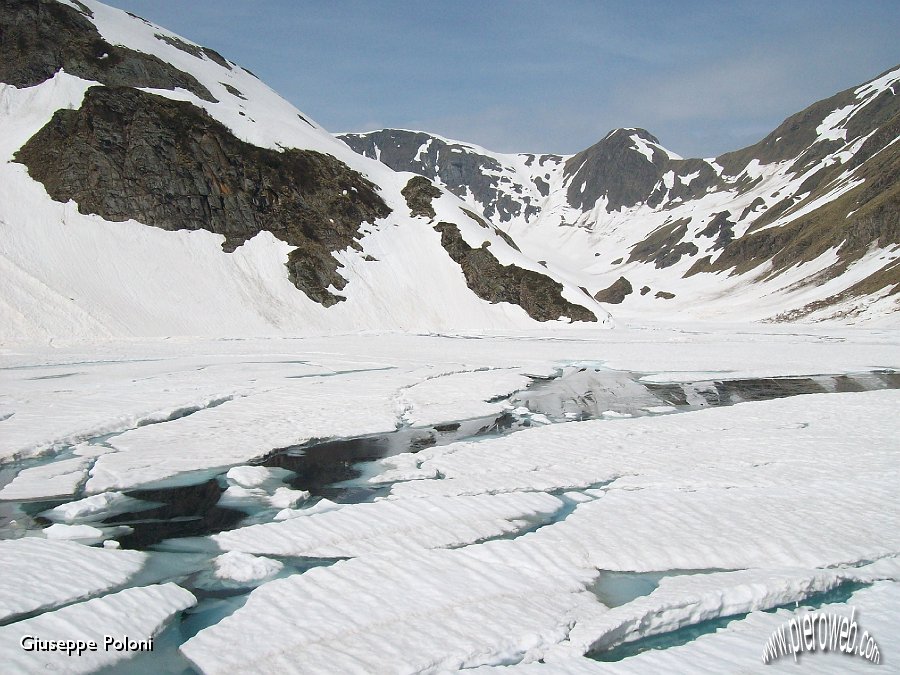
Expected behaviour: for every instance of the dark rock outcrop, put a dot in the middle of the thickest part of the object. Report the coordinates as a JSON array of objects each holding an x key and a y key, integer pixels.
[
  {"x": 496, "y": 230},
  {"x": 419, "y": 192},
  {"x": 195, "y": 50},
  {"x": 539, "y": 295},
  {"x": 130, "y": 154},
  {"x": 721, "y": 228},
  {"x": 38, "y": 37},
  {"x": 665, "y": 246},
  {"x": 615, "y": 293}
]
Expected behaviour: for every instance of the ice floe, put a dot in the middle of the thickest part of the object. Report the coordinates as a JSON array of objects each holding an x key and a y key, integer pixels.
[
  {"x": 135, "y": 614},
  {"x": 37, "y": 574},
  {"x": 395, "y": 525},
  {"x": 236, "y": 569}
]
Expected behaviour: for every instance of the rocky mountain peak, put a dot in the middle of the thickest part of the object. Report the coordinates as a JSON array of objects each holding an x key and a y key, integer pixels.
[
  {"x": 622, "y": 168},
  {"x": 462, "y": 168}
]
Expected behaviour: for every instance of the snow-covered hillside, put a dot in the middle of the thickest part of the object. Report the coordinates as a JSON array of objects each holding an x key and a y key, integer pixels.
[
  {"x": 262, "y": 222},
  {"x": 804, "y": 225}
]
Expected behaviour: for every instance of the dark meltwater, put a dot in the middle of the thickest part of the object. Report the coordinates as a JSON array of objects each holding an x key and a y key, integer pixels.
[
  {"x": 172, "y": 523},
  {"x": 336, "y": 469}
]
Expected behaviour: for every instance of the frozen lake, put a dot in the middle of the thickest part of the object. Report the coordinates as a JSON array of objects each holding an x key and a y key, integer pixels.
[{"x": 590, "y": 499}]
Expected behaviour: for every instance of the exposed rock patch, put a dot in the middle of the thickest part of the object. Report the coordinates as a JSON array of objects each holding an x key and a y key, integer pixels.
[
  {"x": 496, "y": 230},
  {"x": 615, "y": 169},
  {"x": 195, "y": 50},
  {"x": 539, "y": 295},
  {"x": 721, "y": 228},
  {"x": 419, "y": 192},
  {"x": 130, "y": 154},
  {"x": 38, "y": 37},
  {"x": 84, "y": 9},
  {"x": 758, "y": 203},
  {"x": 234, "y": 91},
  {"x": 664, "y": 246},
  {"x": 704, "y": 177},
  {"x": 615, "y": 293}
]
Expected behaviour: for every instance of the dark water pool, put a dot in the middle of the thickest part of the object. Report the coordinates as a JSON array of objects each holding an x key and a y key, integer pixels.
[{"x": 335, "y": 469}]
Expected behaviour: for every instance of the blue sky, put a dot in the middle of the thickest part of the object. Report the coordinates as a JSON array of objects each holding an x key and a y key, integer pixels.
[{"x": 529, "y": 76}]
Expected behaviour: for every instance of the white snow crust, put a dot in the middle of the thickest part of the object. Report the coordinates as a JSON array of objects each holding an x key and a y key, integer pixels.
[
  {"x": 37, "y": 574},
  {"x": 139, "y": 613},
  {"x": 484, "y": 552}
]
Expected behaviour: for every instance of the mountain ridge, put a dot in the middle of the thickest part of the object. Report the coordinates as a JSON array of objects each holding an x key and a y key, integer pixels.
[
  {"x": 152, "y": 187},
  {"x": 786, "y": 217}
]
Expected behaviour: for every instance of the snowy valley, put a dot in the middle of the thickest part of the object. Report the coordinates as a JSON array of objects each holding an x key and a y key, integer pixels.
[{"x": 275, "y": 400}]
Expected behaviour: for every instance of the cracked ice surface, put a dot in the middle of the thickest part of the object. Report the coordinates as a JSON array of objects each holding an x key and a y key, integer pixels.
[
  {"x": 688, "y": 599},
  {"x": 48, "y": 480},
  {"x": 36, "y": 574},
  {"x": 738, "y": 647},
  {"x": 484, "y": 552},
  {"x": 709, "y": 489},
  {"x": 255, "y": 425},
  {"x": 459, "y": 395},
  {"x": 421, "y": 611},
  {"x": 394, "y": 525},
  {"x": 229, "y": 408},
  {"x": 133, "y": 612}
]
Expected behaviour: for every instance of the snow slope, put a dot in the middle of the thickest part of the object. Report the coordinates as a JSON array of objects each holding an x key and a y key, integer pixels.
[{"x": 78, "y": 275}]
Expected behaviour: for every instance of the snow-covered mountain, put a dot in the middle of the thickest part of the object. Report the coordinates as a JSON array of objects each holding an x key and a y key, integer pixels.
[
  {"x": 803, "y": 225},
  {"x": 152, "y": 187},
  {"x": 149, "y": 186}
]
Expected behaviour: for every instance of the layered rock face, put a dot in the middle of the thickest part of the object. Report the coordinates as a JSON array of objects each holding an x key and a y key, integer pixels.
[
  {"x": 129, "y": 154},
  {"x": 40, "y": 37}
]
